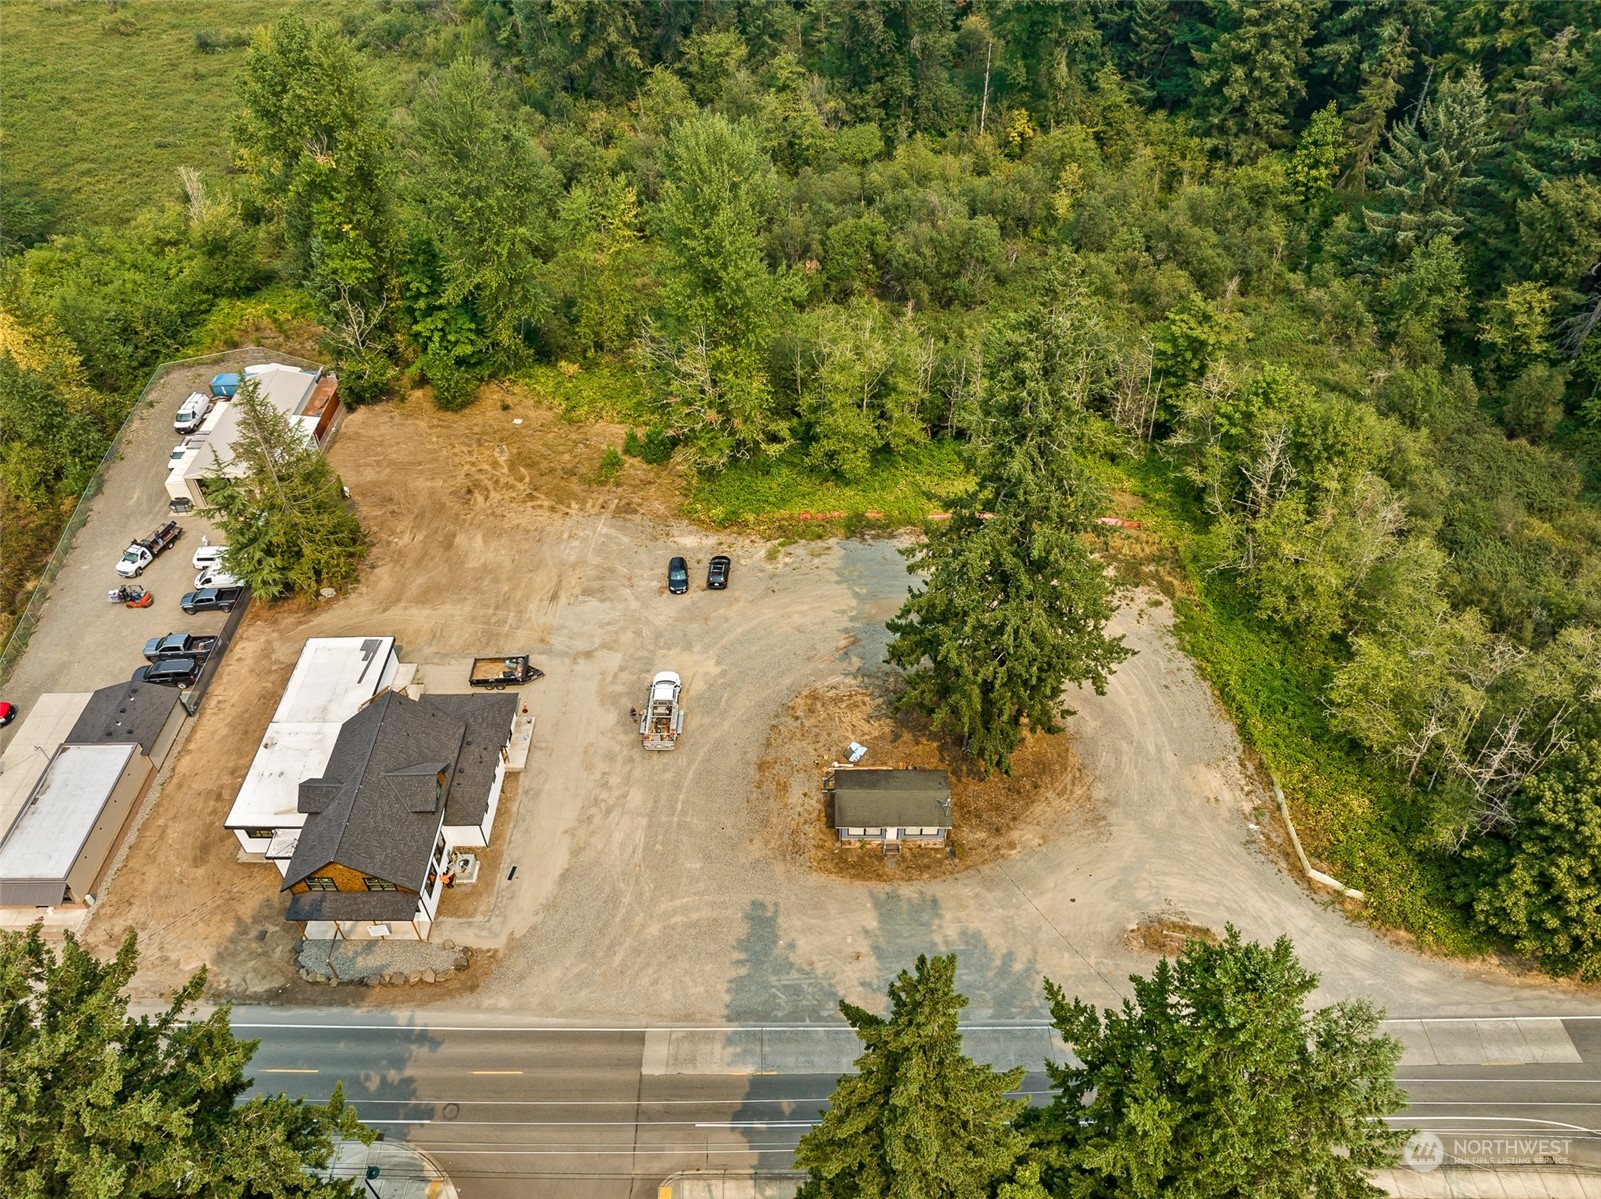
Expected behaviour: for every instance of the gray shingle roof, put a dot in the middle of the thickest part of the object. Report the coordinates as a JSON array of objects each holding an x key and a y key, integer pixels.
[
  {"x": 356, "y": 817},
  {"x": 125, "y": 713},
  {"x": 377, "y": 806},
  {"x": 866, "y": 798},
  {"x": 488, "y": 719}
]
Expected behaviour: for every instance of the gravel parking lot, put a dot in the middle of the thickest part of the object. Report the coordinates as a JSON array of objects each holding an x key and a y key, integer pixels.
[
  {"x": 643, "y": 889},
  {"x": 82, "y": 642}
]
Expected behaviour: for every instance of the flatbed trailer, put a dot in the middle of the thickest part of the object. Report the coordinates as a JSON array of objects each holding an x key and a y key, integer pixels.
[{"x": 504, "y": 671}]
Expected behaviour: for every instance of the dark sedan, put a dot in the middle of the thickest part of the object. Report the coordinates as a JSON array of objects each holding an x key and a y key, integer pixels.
[
  {"x": 169, "y": 672},
  {"x": 717, "y": 572},
  {"x": 678, "y": 576}
]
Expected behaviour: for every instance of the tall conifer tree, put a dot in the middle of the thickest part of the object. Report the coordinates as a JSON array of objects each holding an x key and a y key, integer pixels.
[{"x": 918, "y": 1118}]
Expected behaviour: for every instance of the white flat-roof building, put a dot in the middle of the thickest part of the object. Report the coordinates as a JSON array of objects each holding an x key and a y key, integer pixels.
[
  {"x": 334, "y": 678},
  {"x": 32, "y": 746},
  {"x": 306, "y": 398},
  {"x": 58, "y": 846}
]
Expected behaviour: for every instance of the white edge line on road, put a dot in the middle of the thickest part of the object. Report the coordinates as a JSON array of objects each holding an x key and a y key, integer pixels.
[
  {"x": 1407, "y": 1119},
  {"x": 778, "y": 1028}
]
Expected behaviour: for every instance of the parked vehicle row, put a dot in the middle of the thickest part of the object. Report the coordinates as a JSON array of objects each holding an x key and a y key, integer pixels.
[
  {"x": 176, "y": 659},
  {"x": 717, "y": 573}
]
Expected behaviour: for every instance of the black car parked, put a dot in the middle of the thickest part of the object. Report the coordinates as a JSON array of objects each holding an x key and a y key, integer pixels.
[
  {"x": 178, "y": 645},
  {"x": 169, "y": 672},
  {"x": 211, "y": 599},
  {"x": 678, "y": 576},
  {"x": 717, "y": 572}
]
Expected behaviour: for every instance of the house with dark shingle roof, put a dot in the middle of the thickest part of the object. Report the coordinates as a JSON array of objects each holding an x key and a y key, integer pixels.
[
  {"x": 408, "y": 782},
  {"x": 890, "y": 806}
]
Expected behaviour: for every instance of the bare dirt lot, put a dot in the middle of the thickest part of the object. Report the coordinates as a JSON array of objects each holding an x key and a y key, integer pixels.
[
  {"x": 996, "y": 814},
  {"x": 637, "y": 886}
]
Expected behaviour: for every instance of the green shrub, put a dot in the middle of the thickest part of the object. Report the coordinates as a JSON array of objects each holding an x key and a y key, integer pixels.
[
  {"x": 455, "y": 387},
  {"x": 611, "y": 465},
  {"x": 209, "y": 41},
  {"x": 654, "y": 448}
]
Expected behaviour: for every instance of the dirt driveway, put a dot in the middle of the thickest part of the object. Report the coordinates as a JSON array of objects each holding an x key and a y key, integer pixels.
[{"x": 643, "y": 888}]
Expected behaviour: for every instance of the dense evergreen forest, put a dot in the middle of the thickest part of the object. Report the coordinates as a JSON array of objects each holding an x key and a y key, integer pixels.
[{"x": 1319, "y": 282}]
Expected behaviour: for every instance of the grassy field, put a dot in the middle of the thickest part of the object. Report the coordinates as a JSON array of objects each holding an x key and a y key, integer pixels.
[
  {"x": 786, "y": 497},
  {"x": 102, "y": 102}
]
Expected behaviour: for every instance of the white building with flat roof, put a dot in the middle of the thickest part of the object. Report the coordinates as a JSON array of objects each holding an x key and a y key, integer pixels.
[
  {"x": 57, "y": 848},
  {"x": 334, "y": 679},
  {"x": 32, "y": 746},
  {"x": 292, "y": 391}
]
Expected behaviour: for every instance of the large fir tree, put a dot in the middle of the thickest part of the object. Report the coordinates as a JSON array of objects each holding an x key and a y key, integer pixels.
[
  {"x": 1215, "y": 1080},
  {"x": 93, "y": 1103},
  {"x": 281, "y": 507},
  {"x": 918, "y": 1118},
  {"x": 1016, "y": 603}
]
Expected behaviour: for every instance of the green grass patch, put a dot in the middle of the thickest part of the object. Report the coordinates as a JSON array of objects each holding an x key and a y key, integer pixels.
[
  {"x": 773, "y": 495},
  {"x": 103, "y": 104},
  {"x": 1351, "y": 813},
  {"x": 233, "y": 322},
  {"x": 602, "y": 391}
]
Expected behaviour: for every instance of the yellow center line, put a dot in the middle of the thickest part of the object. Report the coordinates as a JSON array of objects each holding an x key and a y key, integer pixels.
[
  {"x": 497, "y": 1071},
  {"x": 287, "y": 1070}
]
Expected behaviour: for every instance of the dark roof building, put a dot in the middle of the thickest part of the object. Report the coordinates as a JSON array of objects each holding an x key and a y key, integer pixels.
[
  {"x": 144, "y": 714},
  {"x": 891, "y": 805},
  {"x": 488, "y": 719},
  {"x": 380, "y": 803},
  {"x": 400, "y": 772}
]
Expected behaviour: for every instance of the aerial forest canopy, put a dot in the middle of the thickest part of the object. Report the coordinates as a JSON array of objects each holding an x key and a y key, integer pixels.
[{"x": 1330, "y": 275}]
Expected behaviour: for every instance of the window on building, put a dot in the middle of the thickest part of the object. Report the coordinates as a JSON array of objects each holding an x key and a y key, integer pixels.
[
  {"x": 378, "y": 884},
  {"x": 261, "y": 834},
  {"x": 318, "y": 882}
]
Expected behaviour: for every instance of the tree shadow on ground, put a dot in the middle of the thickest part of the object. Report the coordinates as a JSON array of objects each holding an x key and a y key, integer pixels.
[
  {"x": 771, "y": 986},
  {"x": 999, "y": 985},
  {"x": 777, "y": 1102}
]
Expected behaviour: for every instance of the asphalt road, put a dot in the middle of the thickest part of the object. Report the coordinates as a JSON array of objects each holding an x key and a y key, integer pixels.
[{"x": 529, "y": 1111}]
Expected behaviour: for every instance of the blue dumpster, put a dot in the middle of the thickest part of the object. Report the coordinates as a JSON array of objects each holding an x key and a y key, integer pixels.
[{"x": 225, "y": 385}]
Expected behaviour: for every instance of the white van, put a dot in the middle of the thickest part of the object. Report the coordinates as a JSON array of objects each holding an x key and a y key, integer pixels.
[
  {"x": 207, "y": 556},
  {"x": 215, "y": 576},
  {"x": 192, "y": 413}
]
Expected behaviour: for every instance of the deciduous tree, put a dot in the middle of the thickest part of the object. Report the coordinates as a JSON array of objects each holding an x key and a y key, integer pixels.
[
  {"x": 312, "y": 139},
  {"x": 483, "y": 190},
  {"x": 720, "y": 299}
]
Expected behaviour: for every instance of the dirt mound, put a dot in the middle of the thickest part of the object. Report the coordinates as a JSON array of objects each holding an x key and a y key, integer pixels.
[
  {"x": 995, "y": 816},
  {"x": 1166, "y": 933}
]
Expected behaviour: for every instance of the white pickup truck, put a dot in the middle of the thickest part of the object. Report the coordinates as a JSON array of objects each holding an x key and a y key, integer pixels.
[
  {"x": 662, "y": 719},
  {"x": 145, "y": 550}
]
